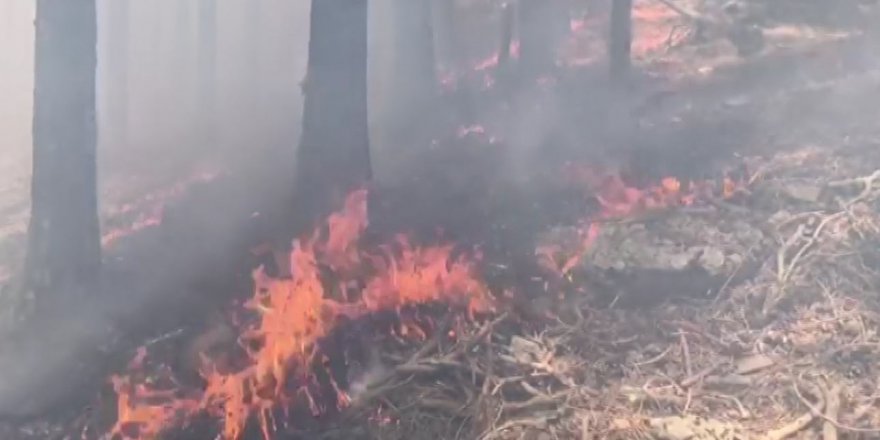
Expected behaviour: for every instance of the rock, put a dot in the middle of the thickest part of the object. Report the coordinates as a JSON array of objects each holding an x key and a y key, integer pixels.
[
  {"x": 693, "y": 428},
  {"x": 525, "y": 351},
  {"x": 802, "y": 191},
  {"x": 713, "y": 259},
  {"x": 753, "y": 363}
]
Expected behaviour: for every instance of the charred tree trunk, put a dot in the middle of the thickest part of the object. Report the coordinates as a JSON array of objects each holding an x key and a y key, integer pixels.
[
  {"x": 543, "y": 25},
  {"x": 117, "y": 39},
  {"x": 207, "y": 70},
  {"x": 64, "y": 251},
  {"x": 620, "y": 40},
  {"x": 334, "y": 153}
]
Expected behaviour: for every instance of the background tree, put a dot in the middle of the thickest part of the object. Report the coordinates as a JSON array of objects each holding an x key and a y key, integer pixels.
[
  {"x": 334, "y": 152},
  {"x": 64, "y": 252},
  {"x": 620, "y": 39},
  {"x": 116, "y": 65},
  {"x": 206, "y": 70},
  {"x": 253, "y": 51},
  {"x": 447, "y": 39},
  {"x": 414, "y": 66},
  {"x": 542, "y": 26}
]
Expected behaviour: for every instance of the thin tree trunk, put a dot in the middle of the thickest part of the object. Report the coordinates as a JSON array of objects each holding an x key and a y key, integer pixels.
[
  {"x": 507, "y": 17},
  {"x": 334, "y": 152},
  {"x": 414, "y": 69},
  {"x": 542, "y": 26},
  {"x": 117, "y": 38},
  {"x": 253, "y": 48},
  {"x": 64, "y": 252},
  {"x": 207, "y": 70},
  {"x": 620, "y": 40},
  {"x": 448, "y": 44},
  {"x": 183, "y": 38}
]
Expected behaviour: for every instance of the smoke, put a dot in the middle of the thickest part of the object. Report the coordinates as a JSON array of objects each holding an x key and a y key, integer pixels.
[{"x": 261, "y": 57}]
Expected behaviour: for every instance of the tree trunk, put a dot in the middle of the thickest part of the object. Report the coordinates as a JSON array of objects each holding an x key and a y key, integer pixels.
[
  {"x": 207, "y": 71},
  {"x": 620, "y": 40},
  {"x": 117, "y": 40},
  {"x": 543, "y": 24},
  {"x": 334, "y": 152},
  {"x": 183, "y": 39},
  {"x": 64, "y": 251},
  {"x": 253, "y": 47},
  {"x": 507, "y": 18},
  {"x": 448, "y": 44},
  {"x": 414, "y": 68}
]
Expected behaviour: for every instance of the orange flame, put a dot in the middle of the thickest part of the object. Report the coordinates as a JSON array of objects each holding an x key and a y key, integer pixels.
[
  {"x": 294, "y": 314},
  {"x": 619, "y": 200}
]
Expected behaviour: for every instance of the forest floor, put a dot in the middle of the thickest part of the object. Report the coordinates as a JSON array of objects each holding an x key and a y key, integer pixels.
[{"x": 753, "y": 316}]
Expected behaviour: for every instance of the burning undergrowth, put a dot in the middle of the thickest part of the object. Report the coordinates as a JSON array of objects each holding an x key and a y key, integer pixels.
[
  {"x": 285, "y": 325},
  {"x": 300, "y": 352}
]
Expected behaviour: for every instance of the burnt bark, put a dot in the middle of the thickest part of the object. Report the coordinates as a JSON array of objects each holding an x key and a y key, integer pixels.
[
  {"x": 206, "y": 70},
  {"x": 542, "y": 25},
  {"x": 64, "y": 251},
  {"x": 620, "y": 40},
  {"x": 334, "y": 153}
]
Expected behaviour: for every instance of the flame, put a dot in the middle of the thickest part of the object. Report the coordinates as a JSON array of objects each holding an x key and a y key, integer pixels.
[
  {"x": 618, "y": 200},
  {"x": 294, "y": 314},
  {"x": 279, "y": 347},
  {"x": 422, "y": 275},
  {"x": 145, "y": 410},
  {"x": 150, "y": 209}
]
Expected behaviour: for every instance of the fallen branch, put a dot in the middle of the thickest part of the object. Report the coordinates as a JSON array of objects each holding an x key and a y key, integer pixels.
[
  {"x": 832, "y": 409},
  {"x": 819, "y": 413},
  {"x": 866, "y": 182}
]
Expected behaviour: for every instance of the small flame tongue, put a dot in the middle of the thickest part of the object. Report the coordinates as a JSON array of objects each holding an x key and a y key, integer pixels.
[{"x": 618, "y": 200}]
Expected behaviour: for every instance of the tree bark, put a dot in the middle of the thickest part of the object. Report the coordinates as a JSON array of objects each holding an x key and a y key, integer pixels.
[
  {"x": 117, "y": 40},
  {"x": 543, "y": 24},
  {"x": 64, "y": 251},
  {"x": 334, "y": 153},
  {"x": 620, "y": 40},
  {"x": 207, "y": 70}
]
